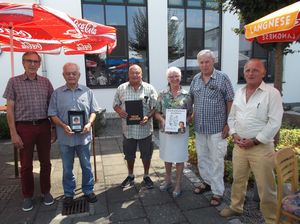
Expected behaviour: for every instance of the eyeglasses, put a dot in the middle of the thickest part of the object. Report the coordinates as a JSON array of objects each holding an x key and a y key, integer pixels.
[
  {"x": 71, "y": 73},
  {"x": 32, "y": 61}
]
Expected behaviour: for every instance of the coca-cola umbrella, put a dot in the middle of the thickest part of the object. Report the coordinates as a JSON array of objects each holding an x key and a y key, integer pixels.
[
  {"x": 282, "y": 25},
  {"x": 33, "y": 27}
]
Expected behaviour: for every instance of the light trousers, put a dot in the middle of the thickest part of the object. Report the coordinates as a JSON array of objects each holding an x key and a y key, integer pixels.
[
  {"x": 259, "y": 159},
  {"x": 211, "y": 150}
]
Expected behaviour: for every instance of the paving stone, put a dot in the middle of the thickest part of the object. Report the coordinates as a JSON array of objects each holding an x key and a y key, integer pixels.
[
  {"x": 154, "y": 197},
  {"x": 207, "y": 215},
  {"x": 164, "y": 214},
  {"x": 126, "y": 211}
]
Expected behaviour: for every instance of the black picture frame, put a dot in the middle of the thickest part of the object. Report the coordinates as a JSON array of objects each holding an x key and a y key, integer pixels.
[
  {"x": 76, "y": 120},
  {"x": 134, "y": 109}
]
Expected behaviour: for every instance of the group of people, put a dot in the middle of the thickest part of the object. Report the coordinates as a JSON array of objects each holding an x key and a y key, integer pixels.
[{"x": 252, "y": 116}]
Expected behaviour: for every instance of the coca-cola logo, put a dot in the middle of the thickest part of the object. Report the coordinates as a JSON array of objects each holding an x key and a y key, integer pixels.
[
  {"x": 16, "y": 33},
  {"x": 31, "y": 46},
  {"x": 84, "y": 47},
  {"x": 88, "y": 28}
]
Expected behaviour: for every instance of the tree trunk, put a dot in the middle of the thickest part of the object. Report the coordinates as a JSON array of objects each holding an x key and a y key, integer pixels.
[
  {"x": 278, "y": 76},
  {"x": 278, "y": 66}
]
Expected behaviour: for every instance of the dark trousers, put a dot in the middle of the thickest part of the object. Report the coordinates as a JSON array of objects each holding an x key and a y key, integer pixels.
[{"x": 31, "y": 135}]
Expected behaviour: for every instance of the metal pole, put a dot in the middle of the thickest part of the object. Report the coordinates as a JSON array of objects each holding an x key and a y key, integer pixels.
[
  {"x": 94, "y": 152},
  {"x": 16, "y": 162}
]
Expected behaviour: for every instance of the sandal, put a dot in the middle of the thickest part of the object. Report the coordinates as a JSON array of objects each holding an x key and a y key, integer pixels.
[
  {"x": 203, "y": 187},
  {"x": 215, "y": 200}
]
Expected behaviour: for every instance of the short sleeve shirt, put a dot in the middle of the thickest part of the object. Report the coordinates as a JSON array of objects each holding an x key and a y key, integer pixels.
[
  {"x": 63, "y": 100},
  {"x": 31, "y": 97},
  {"x": 210, "y": 109},
  {"x": 148, "y": 95}
]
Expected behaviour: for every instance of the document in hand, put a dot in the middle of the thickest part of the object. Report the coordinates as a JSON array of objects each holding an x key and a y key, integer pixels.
[
  {"x": 134, "y": 109},
  {"x": 175, "y": 120}
]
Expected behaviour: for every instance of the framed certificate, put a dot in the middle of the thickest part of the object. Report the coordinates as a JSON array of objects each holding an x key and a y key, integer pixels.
[
  {"x": 76, "y": 120},
  {"x": 134, "y": 109},
  {"x": 175, "y": 120}
]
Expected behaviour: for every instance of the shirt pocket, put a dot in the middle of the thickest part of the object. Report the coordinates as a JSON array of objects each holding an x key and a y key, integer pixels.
[{"x": 261, "y": 111}]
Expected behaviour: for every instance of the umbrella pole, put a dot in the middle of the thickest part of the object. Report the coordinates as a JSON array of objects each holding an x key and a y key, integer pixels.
[
  {"x": 94, "y": 152},
  {"x": 11, "y": 49}
]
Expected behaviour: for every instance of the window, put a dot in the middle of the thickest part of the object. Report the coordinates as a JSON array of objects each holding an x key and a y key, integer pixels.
[
  {"x": 249, "y": 50},
  {"x": 130, "y": 19},
  {"x": 193, "y": 25}
]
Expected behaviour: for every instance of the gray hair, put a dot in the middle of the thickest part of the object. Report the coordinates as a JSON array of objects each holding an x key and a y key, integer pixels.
[
  {"x": 207, "y": 53},
  {"x": 30, "y": 53},
  {"x": 70, "y": 64},
  {"x": 173, "y": 69}
]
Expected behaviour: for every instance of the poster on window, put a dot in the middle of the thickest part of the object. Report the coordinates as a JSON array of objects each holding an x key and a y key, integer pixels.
[{"x": 175, "y": 120}]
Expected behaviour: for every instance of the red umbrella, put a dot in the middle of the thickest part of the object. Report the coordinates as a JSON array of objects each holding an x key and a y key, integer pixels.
[{"x": 33, "y": 27}]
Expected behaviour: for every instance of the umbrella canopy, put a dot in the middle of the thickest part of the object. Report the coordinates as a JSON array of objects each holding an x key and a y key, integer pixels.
[
  {"x": 33, "y": 27},
  {"x": 280, "y": 26}
]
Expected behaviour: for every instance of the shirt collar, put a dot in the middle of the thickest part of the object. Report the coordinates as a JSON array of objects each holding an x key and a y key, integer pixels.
[
  {"x": 262, "y": 86},
  {"x": 25, "y": 77},
  {"x": 213, "y": 75},
  {"x": 65, "y": 87}
]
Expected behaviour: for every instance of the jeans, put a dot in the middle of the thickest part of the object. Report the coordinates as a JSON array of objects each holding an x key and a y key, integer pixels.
[{"x": 69, "y": 183}]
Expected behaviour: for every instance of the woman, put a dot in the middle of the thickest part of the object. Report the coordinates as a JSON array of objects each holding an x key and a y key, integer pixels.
[{"x": 173, "y": 145}]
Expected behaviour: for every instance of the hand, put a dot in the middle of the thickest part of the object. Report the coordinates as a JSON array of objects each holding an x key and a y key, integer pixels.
[
  {"x": 122, "y": 113},
  {"x": 225, "y": 131},
  {"x": 53, "y": 135},
  {"x": 145, "y": 120},
  {"x": 243, "y": 142},
  {"x": 68, "y": 130},
  {"x": 17, "y": 141},
  {"x": 87, "y": 128}
]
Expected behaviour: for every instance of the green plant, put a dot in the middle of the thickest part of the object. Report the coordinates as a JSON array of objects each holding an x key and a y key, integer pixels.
[{"x": 4, "y": 129}]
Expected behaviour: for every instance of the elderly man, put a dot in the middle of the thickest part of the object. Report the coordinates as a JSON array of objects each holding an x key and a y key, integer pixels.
[
  {"x": 28, "y": 96},
  {"x": 254, "y": 120},
  {"x": 212, "y": 95},
  {"x": 73, "y": 98},
  {"x": 138, "y": 134}
]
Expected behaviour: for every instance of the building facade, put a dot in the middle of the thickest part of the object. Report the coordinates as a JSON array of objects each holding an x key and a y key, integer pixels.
[{"x": 157, "y": 34}]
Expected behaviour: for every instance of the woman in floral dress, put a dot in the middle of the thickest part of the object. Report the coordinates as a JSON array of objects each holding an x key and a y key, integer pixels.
[{"x": 173, "y": 145}]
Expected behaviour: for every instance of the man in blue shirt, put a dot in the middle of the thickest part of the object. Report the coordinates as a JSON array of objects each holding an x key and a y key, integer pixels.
[
  {"x": 212, "y": 95},
  {"x": 73, "y": 97}
]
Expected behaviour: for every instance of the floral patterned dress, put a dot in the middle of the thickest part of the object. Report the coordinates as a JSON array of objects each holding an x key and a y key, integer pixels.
[{"x": 173, "y": 147}]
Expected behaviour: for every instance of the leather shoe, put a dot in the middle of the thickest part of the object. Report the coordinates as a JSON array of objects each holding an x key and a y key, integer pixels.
[{"x": 228, "y": 212}]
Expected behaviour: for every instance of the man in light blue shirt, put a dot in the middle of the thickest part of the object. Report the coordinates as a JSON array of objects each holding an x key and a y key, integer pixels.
[{"x": 73, "y": 98}]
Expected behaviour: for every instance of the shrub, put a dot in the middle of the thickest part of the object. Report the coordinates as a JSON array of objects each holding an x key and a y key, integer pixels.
[{"x": 4, "y": 129}]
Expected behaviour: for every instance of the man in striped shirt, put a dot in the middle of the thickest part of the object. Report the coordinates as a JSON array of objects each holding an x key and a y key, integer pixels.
[{"x": 138, "y": 134}]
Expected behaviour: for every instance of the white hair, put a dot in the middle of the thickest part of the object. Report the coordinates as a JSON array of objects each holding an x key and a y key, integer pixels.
[
  {"x": 173, "y": 70},
  {"x": 207, "y": 53}
]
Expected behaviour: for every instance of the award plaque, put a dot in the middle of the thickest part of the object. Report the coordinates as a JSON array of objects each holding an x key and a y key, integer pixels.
[
  {"x": 76, "y": 120},
  {"x": 134, "y": 109},
  {"x": 175, "y": 121}
]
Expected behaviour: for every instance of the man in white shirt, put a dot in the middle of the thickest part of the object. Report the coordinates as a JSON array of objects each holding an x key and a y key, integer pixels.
[{"x": 254, "y": 120}]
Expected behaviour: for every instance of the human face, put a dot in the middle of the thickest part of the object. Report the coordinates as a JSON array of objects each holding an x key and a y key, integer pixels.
[
  {"x": 254, "y": 72},
  {"x": 206, "y": 65},
  {"x": 174, "y": 79},
  {"x": 71, "y": 75},
  {"x": 135, "y": 75},
  {"x": 31, "y": 64}
]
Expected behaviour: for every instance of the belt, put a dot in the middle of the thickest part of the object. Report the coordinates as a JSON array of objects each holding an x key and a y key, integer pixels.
[{"x": 33, "y": 122}]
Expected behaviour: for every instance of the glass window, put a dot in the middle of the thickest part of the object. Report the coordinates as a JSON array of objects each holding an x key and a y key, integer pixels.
[
  {"x": 138, "y": 38},
  {"x": 249, "y": 50},
  {"x": 139, "y": 2},
  {"x": 191, "y": 28},
  {"x": 115, "y": 15},
  {"x": 131, "y": 22},
  {"x": 93, "y": 1},
  {"x": 175, "y": 2},
  {"x": 114, "y": 1},
  {"x": 194, "y": 18},
  {"x": 93, "y": 12},
  {"x": 194, "y": 3}
]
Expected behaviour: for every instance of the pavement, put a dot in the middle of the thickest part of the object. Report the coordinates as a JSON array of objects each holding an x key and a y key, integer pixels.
[{"x": 132, "y": 205}]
